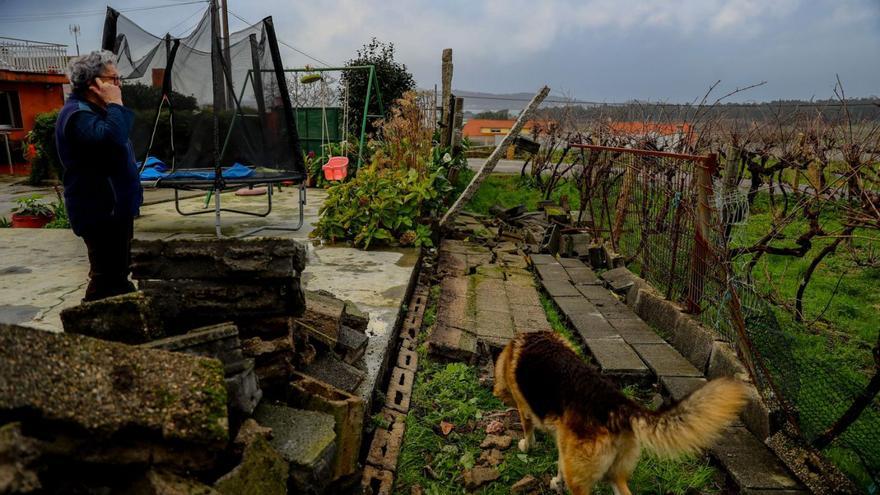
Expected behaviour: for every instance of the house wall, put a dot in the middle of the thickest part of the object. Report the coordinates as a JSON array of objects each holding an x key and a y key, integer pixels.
[{"x": 37, "y": 93}]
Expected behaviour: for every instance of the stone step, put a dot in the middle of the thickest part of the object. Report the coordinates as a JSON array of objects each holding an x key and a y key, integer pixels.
[
  {"x": 664, "y": 360},
  {"x": 635, "y": 331},
  {"x": 615, "y": 357},
  {"x": 752, "y": 465}
]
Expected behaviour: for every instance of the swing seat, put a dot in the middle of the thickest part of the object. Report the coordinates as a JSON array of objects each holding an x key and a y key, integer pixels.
[{"x": 336, "y": 168}]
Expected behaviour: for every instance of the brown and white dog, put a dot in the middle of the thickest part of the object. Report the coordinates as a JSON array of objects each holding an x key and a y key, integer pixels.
[{"x": 599, "y": 431}]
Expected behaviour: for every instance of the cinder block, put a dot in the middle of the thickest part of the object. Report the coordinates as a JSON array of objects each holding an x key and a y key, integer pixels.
[
  {"x": 399, "y": 389},
  {"x": 693, "y": 341},
  {"x": 385, "y": 448},
  {"x": 377, "y": 481},
  {"x": 407, "y": 359}
]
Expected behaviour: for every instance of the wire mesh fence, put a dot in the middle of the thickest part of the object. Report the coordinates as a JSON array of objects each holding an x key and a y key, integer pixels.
[{"x": 673, "y": 220}]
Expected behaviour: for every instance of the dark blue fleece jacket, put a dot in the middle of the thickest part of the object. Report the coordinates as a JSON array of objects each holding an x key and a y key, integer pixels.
[{"x": 101, "y": 180}]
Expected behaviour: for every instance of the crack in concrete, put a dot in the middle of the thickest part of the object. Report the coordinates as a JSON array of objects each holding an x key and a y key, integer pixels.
[{"x": 61, "y": 300}]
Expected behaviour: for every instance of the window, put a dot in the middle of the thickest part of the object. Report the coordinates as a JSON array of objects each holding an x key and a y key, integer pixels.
[
  {"x": 10, "y": 109},
  {"x": 495, "y": 131}
]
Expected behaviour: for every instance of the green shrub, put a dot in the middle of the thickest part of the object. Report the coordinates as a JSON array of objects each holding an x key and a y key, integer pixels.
[{"x": 44, "y": 160}]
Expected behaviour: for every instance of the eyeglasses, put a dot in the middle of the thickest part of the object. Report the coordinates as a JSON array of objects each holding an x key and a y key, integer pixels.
[{"x": 117, "y": 80}]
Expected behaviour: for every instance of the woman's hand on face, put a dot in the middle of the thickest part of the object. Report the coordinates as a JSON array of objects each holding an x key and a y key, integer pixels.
[{"x": 107, "y": 92}]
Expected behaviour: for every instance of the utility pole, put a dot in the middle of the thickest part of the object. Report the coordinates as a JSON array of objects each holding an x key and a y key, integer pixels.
[{"x": 74, "y": 30}]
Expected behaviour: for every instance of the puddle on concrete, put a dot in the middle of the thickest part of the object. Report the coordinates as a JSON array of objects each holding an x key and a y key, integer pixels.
[{"x": 15, "y": 314}]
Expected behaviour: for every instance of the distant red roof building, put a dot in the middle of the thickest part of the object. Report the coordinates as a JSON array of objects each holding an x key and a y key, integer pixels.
[
  {"x": 670, "y": 133},
  {"x": 491, "y": 131}
]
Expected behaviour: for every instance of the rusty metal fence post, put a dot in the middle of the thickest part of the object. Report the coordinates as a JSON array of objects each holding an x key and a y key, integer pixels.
[{"x": 702, "y": 240}]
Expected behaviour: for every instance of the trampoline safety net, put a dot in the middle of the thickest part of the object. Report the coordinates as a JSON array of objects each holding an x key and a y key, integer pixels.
[{"x": 204, "y": 103}]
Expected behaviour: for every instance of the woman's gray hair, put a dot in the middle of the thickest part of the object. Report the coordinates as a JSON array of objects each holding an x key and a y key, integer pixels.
[{"x": 83, "y": 70}]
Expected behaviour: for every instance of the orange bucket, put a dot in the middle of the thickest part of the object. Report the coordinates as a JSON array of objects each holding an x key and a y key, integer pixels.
[{"x": 336, "y": 168}]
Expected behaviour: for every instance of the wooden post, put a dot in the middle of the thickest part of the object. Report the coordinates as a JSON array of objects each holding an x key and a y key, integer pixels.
[
  {"x": 457, "y": 123},
  {"x": 496, "y": 155},
  {"x": 702, "y": 240},
  {"x": 622, "y": 205},
  {"x": 446, "y": 91}
]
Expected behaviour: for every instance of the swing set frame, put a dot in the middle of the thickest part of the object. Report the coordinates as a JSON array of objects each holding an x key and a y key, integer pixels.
[{"x": 372, "y": 83}]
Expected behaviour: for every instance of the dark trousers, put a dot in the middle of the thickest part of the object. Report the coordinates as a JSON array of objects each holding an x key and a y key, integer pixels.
[{"x": 109, "y": 247}]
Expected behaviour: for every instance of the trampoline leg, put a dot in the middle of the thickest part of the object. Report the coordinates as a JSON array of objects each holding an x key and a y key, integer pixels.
[{"x": 217, "y": 214}]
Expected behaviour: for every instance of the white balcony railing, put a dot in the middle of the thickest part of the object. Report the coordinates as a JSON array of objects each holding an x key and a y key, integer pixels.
[{"x": 32, "y": 56}]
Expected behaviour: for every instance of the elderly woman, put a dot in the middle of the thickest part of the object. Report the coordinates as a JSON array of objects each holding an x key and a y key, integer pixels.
[{"x": 102, "y": 190}]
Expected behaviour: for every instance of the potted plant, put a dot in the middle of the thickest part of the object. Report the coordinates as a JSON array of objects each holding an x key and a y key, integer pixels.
[{"x": 31, "y": 213}]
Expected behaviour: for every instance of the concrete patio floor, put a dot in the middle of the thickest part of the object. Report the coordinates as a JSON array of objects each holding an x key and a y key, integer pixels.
[{"x": 43, "y": 271}]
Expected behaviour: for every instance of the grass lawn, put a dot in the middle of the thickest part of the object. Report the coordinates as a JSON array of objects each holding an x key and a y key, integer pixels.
[{"x": 511, "y": 190}]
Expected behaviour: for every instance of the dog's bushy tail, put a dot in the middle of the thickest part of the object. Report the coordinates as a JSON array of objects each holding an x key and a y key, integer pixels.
[{"x": 695, "y": 422}]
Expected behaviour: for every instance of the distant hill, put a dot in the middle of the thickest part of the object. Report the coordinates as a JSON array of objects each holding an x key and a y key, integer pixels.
[{"x": 476, "y": 102}]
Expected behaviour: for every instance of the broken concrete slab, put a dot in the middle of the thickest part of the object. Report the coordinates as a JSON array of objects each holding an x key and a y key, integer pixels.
[
  {"x": 193, "y": 303},
  {"x": 494, "y": 327},
  {"x": 353, "y": 317},
  {"x": 129, "y": 318},
  {"x": 220, "y": 259},
  {"x": 452, "y": 343},
  {"x": 351, "y": 344},
  {"x": 664, "y": 360},
  {"x": 618, "y": 279},
  {"x": 518, "y": 295},
  {"x": 109, "y": 389},
  {"x": 575, "y": 305},
  {"x": 614, "y": 310},
  {"x": 636, "y": 331},
  {"x": 163, "y": 482},
  {"x": 752, "y": 464},
  {"x": 322, "y": 317},
  {"x": 348, "y": 413},
  {"x": 616, "y": 357},
  {"x": 305, "y": 439},
  {"x": 331, "y": 369},
  {"x": 217, "y": 341},
  {"x": 262, "y": 470},
  {"x": 19, "y": 469}
]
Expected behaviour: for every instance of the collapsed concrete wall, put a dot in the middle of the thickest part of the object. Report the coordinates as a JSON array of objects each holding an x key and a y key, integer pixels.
[{"x": 202, "y": 381}]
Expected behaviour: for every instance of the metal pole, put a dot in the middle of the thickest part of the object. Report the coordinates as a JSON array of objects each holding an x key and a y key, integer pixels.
[
  {"x": 364, "y": 117},
  {"x": 8, "y": 153}
]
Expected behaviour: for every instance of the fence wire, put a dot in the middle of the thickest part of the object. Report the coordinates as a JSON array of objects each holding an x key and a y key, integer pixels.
[{"x": 673, "y": 221}]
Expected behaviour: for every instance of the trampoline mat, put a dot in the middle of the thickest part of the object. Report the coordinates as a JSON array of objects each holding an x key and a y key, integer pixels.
[{"x": 260, "y": 176}]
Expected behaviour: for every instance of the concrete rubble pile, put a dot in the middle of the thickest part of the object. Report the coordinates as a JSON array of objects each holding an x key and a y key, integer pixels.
[{"x": 219, "y": 375}]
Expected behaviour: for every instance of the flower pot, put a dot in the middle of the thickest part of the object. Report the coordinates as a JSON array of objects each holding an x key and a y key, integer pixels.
[{"x": 29, "y": 221}]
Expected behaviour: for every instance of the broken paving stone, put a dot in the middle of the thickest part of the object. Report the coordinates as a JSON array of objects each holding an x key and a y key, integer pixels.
[
  {"x": 129, "y": 318},
  {"x": 348, "y": 413},
  {"x": 354, "y": 318},
  {"x": 106, "y": 388},
  {"x": 452, "y": 343},
  {"x": 161, "y": 482},
  {"x": 305, "y": 439},
  {"x": 496, "y": 441},
  {"x": 524, "y": 485},
  {"x": 479, "y": 476},
  {"x": 262, "y": 471},
  {"x": 249, "y": 431},
  {"x": 322, "y": 317},
  {"x": 243, "y": 259},
  {"x": 352, "y": 344},
  {"x": 491, "y": 457},
  {"x": 330, "y": 369},
  {"x": 217, "y": 341}
]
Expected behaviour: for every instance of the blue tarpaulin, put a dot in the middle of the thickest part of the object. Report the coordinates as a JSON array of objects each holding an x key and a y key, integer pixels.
[{"x": 237, "y": 171}]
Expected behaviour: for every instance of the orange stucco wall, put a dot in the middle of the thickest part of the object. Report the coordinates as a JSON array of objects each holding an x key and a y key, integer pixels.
[{"x": 35, "y": 98}]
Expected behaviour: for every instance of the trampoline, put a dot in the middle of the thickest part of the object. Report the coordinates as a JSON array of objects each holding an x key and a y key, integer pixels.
[{"x": 203, "y": 87}]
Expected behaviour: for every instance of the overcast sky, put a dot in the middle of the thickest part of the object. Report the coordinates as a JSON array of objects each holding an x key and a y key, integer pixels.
[{"x": 598, "y": 50}]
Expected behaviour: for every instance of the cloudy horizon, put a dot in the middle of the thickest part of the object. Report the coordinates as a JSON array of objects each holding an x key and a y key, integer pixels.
[{"x": 594, "y": 50}]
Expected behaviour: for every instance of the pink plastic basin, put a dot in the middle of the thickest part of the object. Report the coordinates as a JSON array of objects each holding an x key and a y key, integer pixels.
[{"x": 336, "y": 168}]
